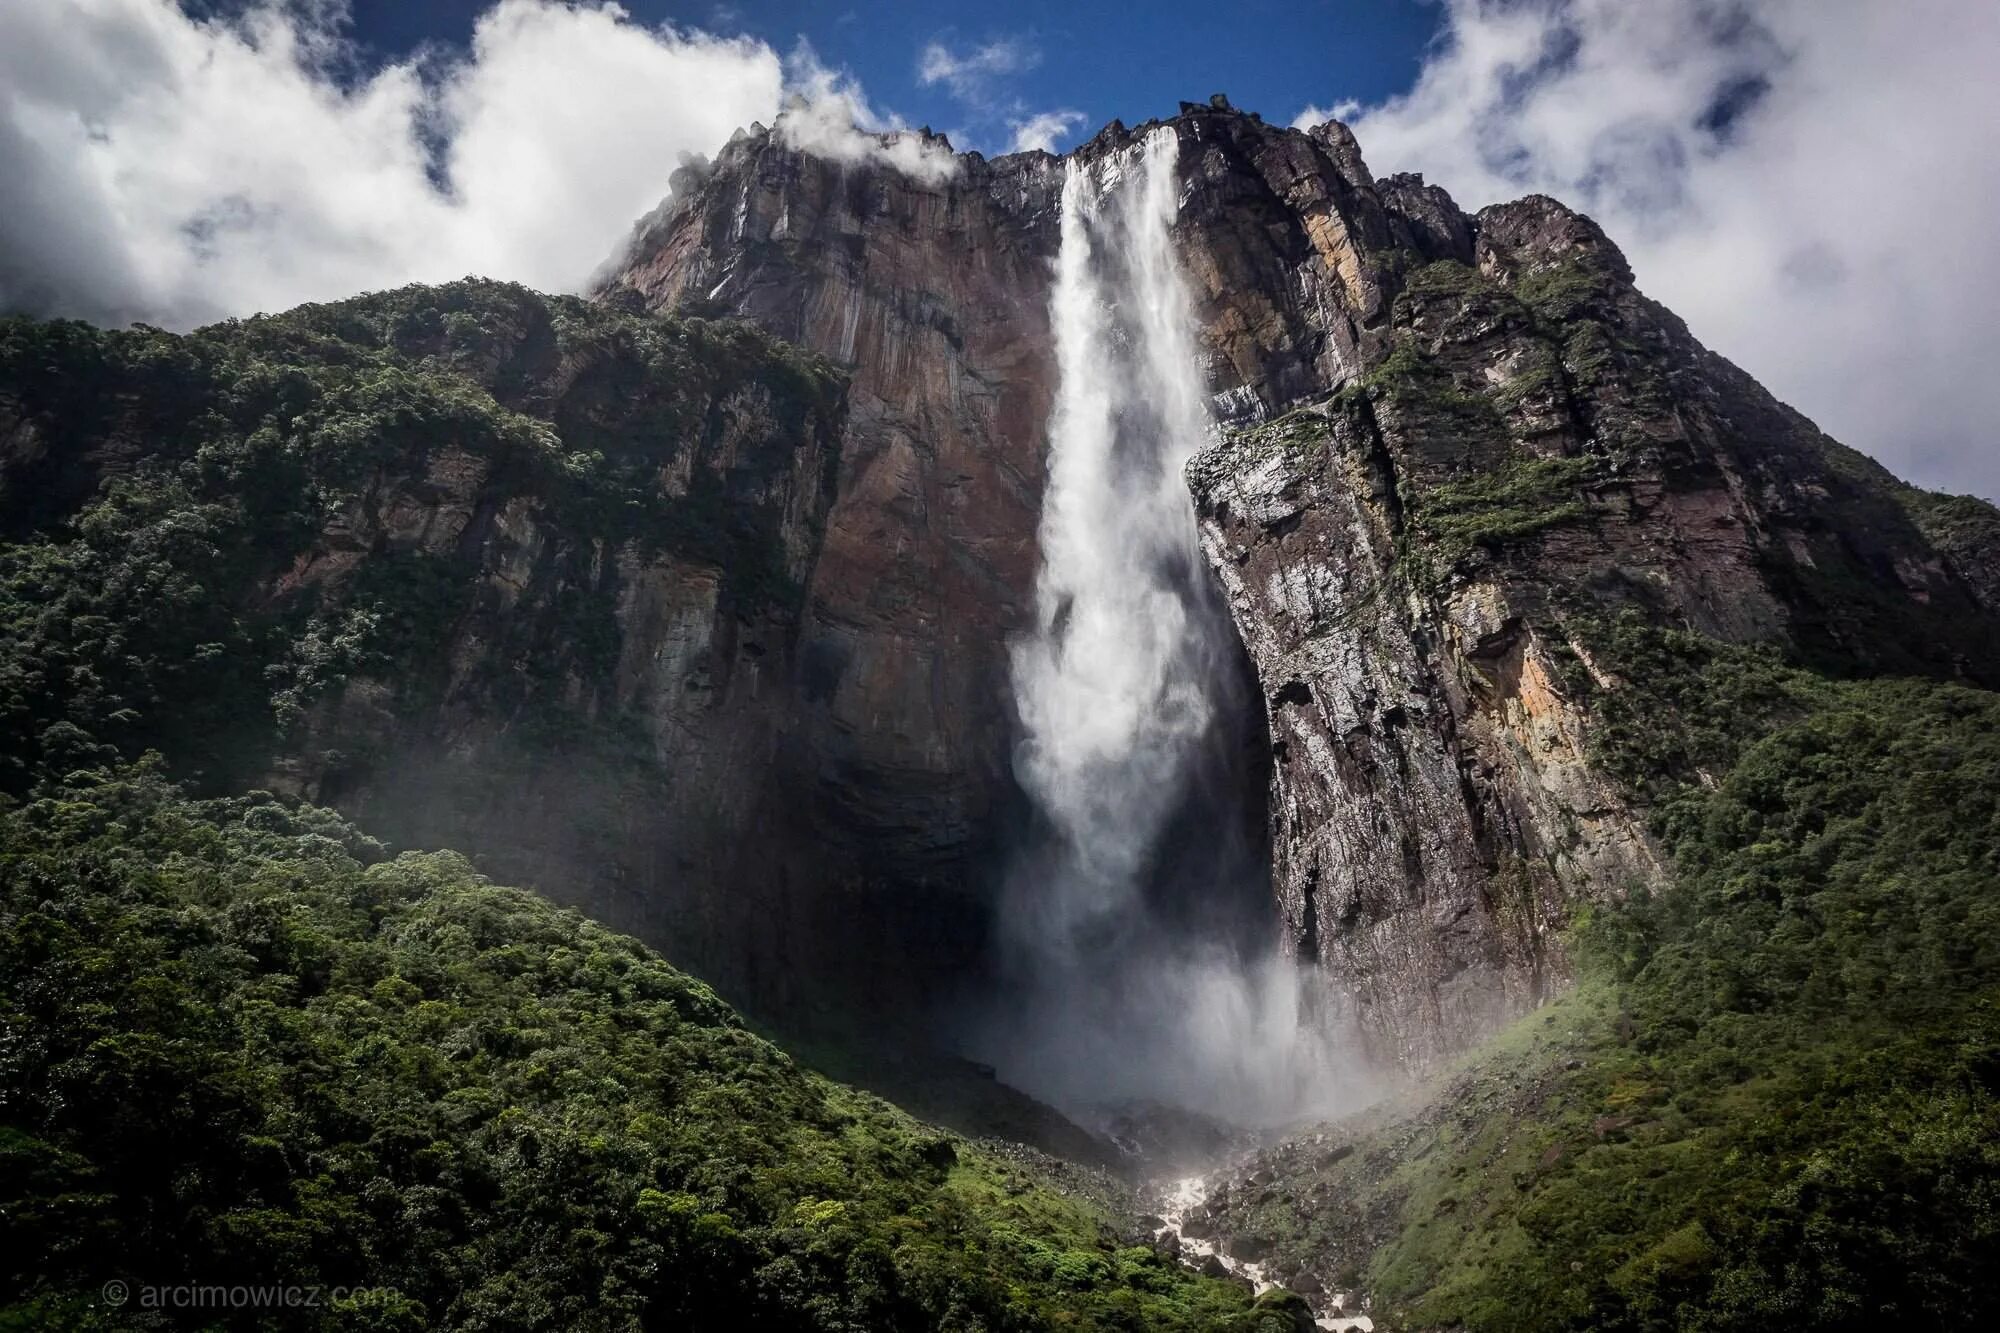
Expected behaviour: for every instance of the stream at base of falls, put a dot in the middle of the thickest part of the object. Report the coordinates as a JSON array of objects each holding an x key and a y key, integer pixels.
[
  {"x": 1176, "y": 1204},
  {"x": 1189, "y": 1163}
]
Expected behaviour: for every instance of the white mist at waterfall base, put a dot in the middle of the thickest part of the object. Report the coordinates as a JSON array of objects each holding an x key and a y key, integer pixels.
[{"x": 1122, "y": 691}]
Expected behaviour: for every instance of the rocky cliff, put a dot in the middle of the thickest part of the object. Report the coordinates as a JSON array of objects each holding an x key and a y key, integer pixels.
[
  {"x": 1453, "y": 444},
  {"x": 1423, "y": 561},
  {"x": 933, "y": 297}
]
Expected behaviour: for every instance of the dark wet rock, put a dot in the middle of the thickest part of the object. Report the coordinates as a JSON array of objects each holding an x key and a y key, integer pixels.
[
  {"x": 1162, "y": 1141},
  {"x": 1248, "y": 1249},
  {"x": 1287, "y": 1305}
]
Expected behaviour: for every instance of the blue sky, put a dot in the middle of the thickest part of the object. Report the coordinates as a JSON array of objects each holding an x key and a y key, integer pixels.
[{"x": 1103, "y": 61}]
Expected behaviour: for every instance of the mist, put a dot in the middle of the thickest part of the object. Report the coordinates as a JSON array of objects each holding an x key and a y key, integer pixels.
[{"x": 1141, "y": 951}]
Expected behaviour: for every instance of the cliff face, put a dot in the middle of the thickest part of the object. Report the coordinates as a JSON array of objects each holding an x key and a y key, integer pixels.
[
  {"x": 480, "y": 567},
  {"x": 1453, "y": 446},
  {"x": 1423, "y": 564},
  {"x": 933, "y": 297},
  {"x": 605, "y": 711}
]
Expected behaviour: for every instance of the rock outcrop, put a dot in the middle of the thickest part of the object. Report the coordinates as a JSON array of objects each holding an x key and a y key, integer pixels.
[
  {"x": 1416, "y": 561},
  {"x": 1451, "y": 441}
]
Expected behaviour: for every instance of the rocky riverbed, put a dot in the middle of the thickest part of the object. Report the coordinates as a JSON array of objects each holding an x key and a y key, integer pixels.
[{"x": 1187, "y": 1230}]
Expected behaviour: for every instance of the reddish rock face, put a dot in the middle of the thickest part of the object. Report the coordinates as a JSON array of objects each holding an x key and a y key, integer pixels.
[
  {"x": 1435, "y": 810},
  {"x": 935, "y": 298}
]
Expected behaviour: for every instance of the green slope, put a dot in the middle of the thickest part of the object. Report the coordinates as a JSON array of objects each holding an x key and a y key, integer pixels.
[
  {"x": 160, "y": 495},
  {"x": 241, "y": 1045}
]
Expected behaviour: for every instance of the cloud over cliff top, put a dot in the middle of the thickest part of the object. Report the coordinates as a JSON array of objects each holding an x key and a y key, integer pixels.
[
  {"x": 1809, "y": 183},
  {"x": 996, "y": 116},
  {"x": 827, "y": 114}
]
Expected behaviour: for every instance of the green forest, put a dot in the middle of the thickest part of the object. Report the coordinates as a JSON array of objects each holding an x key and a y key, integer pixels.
[{"x": 243, "y": 1045}]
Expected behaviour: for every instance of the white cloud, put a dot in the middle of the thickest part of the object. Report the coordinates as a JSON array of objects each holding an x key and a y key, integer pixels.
[
  {"x": 1810, "y": 183},
  {"x": 1043, "y": 130},
  {"x": 175, "y": 170},
  {"x": 1315, "y": 114},
  {"x": 970, "y": 76},
  {"x": 977, "y": 78},
  {"x": 826, "y": 114}
]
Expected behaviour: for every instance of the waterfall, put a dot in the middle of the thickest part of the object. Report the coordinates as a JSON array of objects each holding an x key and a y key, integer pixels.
[
  {"x": 1110, "y": 692},
  {"x": 1132, "y": 977}
]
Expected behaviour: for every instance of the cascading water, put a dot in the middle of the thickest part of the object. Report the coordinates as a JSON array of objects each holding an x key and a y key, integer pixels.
[
  {"x": 1134, "y": 976},
  {"x": 1110, "y": 688}
]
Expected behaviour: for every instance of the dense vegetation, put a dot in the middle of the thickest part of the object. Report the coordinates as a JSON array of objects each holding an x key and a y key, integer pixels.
[
  {"x": 1512, "y": 502},
  {"x": 241, "y": 1045},
  {"x": 164, "y": 493},
  {"x": 1774, "y": 1099}
]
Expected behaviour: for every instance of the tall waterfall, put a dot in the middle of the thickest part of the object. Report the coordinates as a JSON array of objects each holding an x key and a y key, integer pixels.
[
  {"x": 1135, "y": 975},
  {"x": 1111, "y": 688}
]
